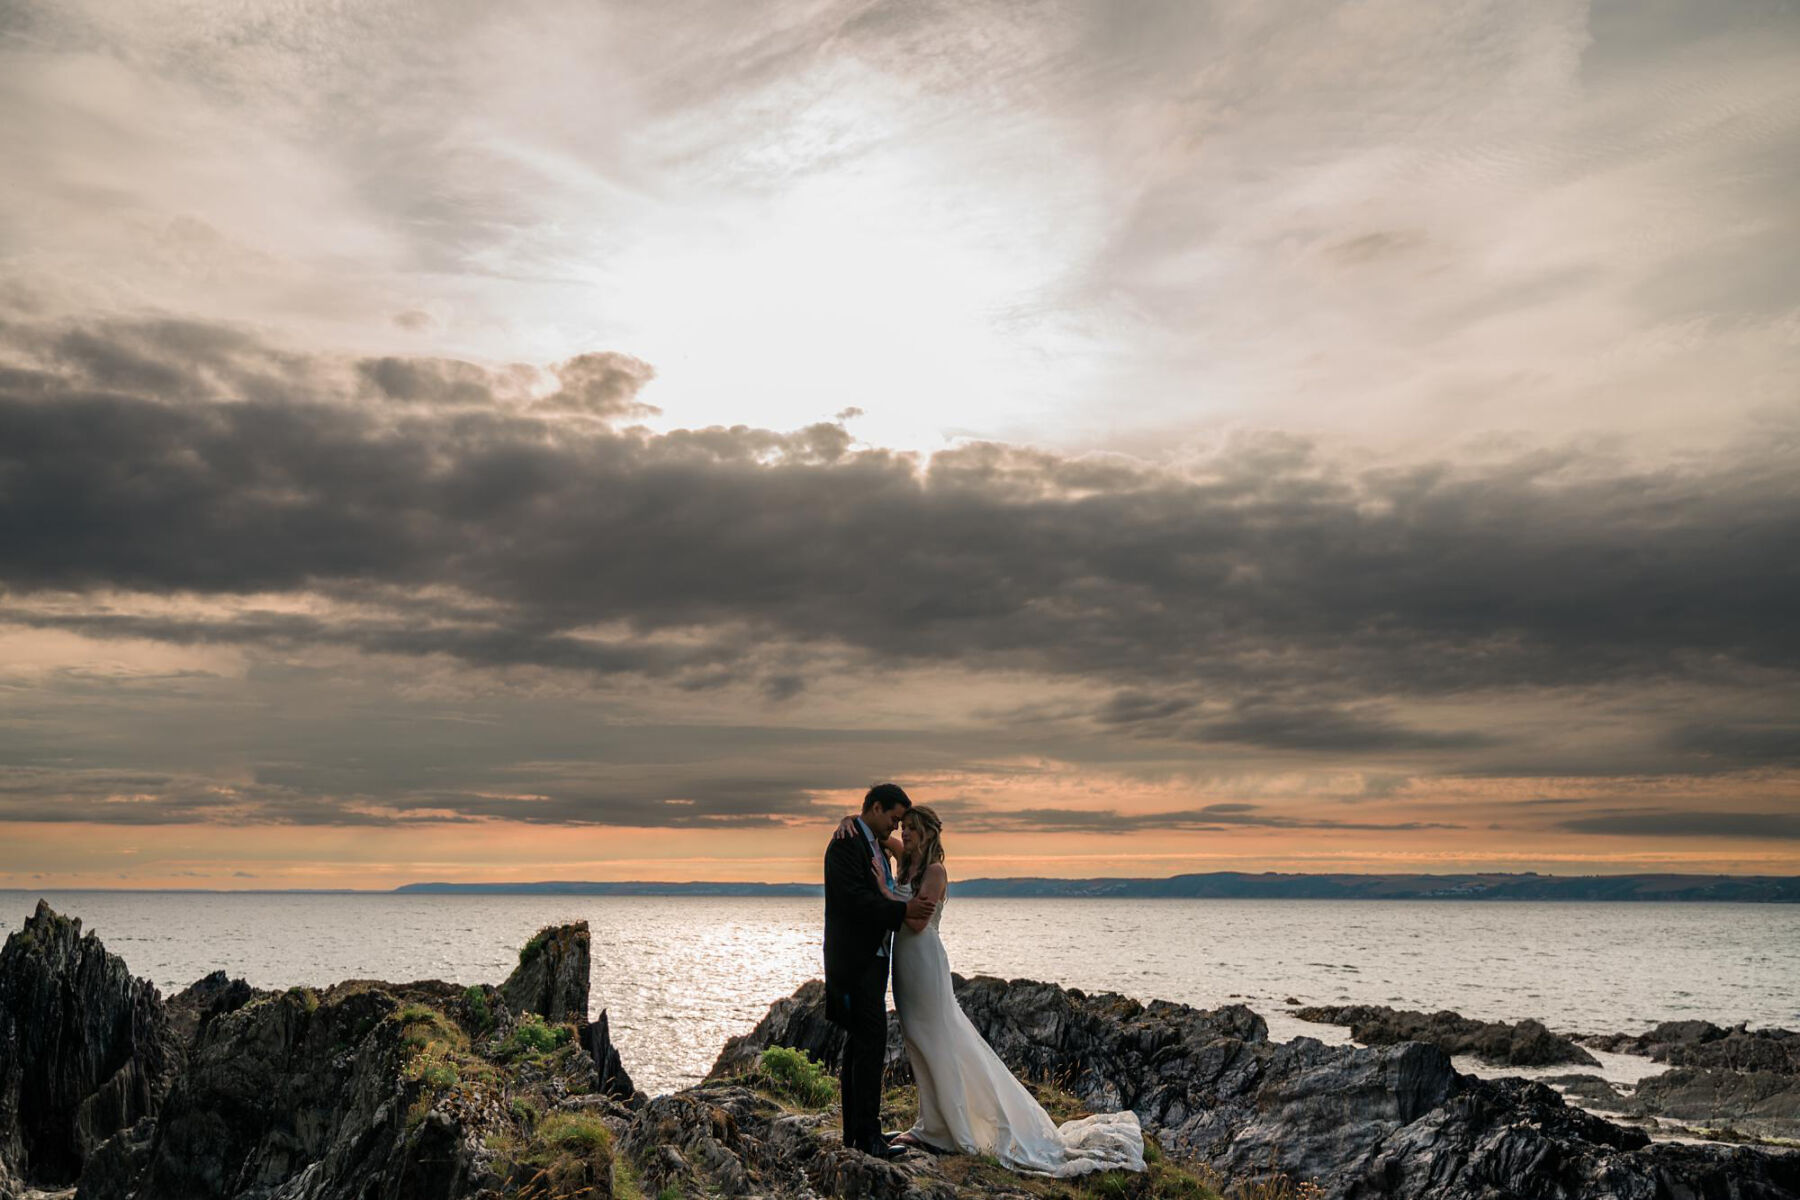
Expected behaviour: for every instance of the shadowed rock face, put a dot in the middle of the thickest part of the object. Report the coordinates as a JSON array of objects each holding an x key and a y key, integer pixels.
[
  {"x": 1526, "y": 1044},
  {"x": 85, "y": 1049}
]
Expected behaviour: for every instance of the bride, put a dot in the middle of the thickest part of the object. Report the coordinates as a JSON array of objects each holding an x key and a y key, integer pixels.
[{"x": 969, "y": 1102}]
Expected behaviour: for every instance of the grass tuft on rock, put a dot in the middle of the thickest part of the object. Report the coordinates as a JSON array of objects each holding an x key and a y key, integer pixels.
[
  {"x": 793, "y": 1077},
  {"x": 535, "y": 946},
  {"x": 481, "y": 1014},
  {"x": 570, "y": 1155},
  {"x": 532, "y": 1037}
]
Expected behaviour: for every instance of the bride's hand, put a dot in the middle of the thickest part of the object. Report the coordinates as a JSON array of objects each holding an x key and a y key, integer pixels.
[
  {"x": 846, "y": 828},
  {"x": 880, "y": 879}
]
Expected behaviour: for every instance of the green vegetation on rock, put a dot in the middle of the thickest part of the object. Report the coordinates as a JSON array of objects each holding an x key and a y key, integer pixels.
[
  {"x": 535, "y": 946},
  {"x": 794, "y": 1077},
  {"x": 570, "y": 1154},
  {"x": 481, "y": 1015},
  {"x": 531, "y": 1037}
]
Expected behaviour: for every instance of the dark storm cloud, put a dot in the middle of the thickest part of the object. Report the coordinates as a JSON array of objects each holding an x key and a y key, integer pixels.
[
  {"x": 1771, "y": 743},
  {"x": 1333, "y": 730},
  {"x": 1529, "y": 571},
  {"x": 1270, "y": 597},
  {"x": 329, "y": 794},
  {"x": 1690, "y": 824}
]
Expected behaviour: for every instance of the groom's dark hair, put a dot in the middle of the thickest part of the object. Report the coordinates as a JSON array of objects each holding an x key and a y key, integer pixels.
[{"x": 886, "y": 795}]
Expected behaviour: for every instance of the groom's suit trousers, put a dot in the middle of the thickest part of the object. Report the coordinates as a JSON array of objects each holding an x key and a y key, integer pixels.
[{"x": 859, "y": 1077}]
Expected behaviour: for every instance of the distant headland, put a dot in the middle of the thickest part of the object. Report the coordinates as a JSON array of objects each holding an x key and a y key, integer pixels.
[{"x": 1236, "y": 885}]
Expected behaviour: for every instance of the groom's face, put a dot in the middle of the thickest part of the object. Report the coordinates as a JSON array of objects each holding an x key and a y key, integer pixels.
[{"x": 881, "y": 821}]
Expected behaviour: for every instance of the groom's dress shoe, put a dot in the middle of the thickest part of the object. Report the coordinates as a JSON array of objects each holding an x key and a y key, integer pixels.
[{"x": 876, "y": 1148}]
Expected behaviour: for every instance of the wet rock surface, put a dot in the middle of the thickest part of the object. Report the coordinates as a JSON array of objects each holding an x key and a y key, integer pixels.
[{"x": 1524, "y": 1044}]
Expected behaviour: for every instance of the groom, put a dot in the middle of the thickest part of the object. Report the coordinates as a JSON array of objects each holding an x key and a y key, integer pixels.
[{"x": 859, "y": 925}]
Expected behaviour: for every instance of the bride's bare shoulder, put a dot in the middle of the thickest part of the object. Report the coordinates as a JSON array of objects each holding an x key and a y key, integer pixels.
[{"x": 937, "y": 873}]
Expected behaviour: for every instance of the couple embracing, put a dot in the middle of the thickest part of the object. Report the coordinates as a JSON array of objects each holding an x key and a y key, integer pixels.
[{"x": 883, "y": 915}]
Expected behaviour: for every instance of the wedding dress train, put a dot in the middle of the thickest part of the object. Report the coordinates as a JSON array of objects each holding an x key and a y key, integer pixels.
[{"x": 969, "y": 1102}]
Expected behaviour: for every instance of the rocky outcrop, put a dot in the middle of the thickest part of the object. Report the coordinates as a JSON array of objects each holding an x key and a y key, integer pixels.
[
  {"x": 195, "y": 1006},
  {"x": 1703, "y": 1044},
  {"x": 1525, "y": 1044},
  {"x": 1361, "y": 1122},
  {"x": 551, "y": 979},
  {"x": 85, "y": 1049},
  {"x": 421, "y": 1091},
  {"x": 610, "y": 1076},
  {"x": 1732, "y": 1081},
  {"x": 299, "y": 1092}
]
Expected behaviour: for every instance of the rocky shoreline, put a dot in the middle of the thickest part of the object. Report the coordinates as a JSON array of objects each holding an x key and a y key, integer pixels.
[
  {"x": 1733, "y": 1084},
  {"x": 431, "y": 1091}
]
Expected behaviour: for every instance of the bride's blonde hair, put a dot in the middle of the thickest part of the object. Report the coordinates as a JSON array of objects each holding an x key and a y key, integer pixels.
[{"x": 929, "y": 847}]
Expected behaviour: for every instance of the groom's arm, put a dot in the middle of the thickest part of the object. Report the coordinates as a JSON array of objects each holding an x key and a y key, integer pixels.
[{"x": 850, "y": 877}]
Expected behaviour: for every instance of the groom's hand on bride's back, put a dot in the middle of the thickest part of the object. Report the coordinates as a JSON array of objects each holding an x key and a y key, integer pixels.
[{"x": 920, "y": 908}]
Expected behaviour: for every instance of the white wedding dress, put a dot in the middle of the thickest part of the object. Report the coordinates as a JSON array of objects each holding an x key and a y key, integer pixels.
[{"x": 969, "y": 1102}]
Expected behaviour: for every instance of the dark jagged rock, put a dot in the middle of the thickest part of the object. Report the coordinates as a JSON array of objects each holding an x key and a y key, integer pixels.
[
  {"x": 1703, "y": 1044},
  {"x": 85, "y": 1049},
  {"x": 609, "y": 1070},
  {"x": 1394, "y": 1121},
  {"x": 293, "y": 1087},
  {"x": 195, "y": 1006},
  {"x": 417, "y": 1091},
  {"x": 1737, "y": 1079},
  {"x": 552, "y": 977},
  {"x": 1526, "y": 1044},
  {"x": 366, "y": 1089},
  {"x": 1513, "y": 1137}
]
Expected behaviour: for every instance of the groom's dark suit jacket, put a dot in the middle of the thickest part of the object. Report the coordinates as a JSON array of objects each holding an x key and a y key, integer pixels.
[{"x": 858, "y": 919}]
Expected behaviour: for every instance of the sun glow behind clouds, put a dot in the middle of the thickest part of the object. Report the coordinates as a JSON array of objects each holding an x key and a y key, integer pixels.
[{"x": 829, "y": 262}]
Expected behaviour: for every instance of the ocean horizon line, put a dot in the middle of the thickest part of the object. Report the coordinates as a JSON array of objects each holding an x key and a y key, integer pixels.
[{"x": 1267, "y": 885}]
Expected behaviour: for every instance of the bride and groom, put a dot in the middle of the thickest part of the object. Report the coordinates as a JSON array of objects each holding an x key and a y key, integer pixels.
[{"x": 881, "y": 915}]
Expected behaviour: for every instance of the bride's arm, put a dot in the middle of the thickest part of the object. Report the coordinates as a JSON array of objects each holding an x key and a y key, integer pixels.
[{"x": 932, "y": 887}]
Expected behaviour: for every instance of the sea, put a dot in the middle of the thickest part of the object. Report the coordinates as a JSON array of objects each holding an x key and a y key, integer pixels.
[{"x": 677, "y": 976}]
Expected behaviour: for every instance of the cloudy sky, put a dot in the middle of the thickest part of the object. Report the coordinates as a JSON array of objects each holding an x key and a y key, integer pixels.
[{"x": 568, "y": 440}]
